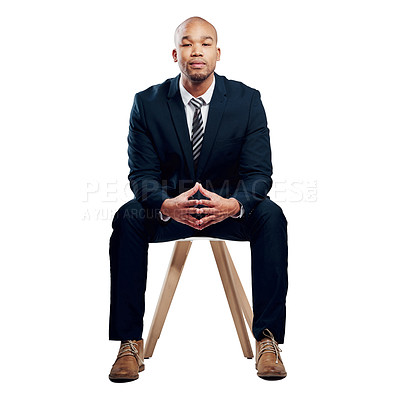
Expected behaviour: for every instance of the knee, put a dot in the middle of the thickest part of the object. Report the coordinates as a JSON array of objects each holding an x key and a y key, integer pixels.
[
  {"x": 131, "y": 213},
  {"x": 268, "y": 212}
]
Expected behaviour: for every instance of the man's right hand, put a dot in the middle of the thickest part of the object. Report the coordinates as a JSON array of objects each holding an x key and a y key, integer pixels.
[{"x": 180, "y": 207}]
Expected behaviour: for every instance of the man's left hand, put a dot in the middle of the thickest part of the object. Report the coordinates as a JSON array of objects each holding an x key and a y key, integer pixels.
[{"x": 217, "y": 208}]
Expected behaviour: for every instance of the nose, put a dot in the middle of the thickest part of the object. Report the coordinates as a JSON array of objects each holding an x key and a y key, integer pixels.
[{"x": 197, "y": 50}]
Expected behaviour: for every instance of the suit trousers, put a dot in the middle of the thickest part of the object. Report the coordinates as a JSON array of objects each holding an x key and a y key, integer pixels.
[{"x": 134, "y": 227}]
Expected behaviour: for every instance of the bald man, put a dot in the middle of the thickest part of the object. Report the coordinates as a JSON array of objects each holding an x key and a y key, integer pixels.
[{"x": 200, "y": 165}]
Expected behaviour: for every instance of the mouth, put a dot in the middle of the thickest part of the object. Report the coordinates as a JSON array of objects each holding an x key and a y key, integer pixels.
[{"x": 197, "y": 64}]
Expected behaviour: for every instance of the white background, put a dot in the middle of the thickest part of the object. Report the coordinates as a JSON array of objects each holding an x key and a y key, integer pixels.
[{"x": 328, "y": 72}]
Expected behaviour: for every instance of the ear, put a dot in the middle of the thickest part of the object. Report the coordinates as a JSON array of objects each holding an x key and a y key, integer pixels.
[
  {"x": 175, "y": 55},
  {"x": 218, "y": 53}
]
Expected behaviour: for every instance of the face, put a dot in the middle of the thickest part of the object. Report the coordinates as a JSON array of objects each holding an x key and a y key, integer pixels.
[{"x": 196, "y": 50}]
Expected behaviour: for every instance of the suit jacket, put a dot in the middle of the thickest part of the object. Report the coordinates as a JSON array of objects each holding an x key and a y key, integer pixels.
[{"x": 235, "y": 158}]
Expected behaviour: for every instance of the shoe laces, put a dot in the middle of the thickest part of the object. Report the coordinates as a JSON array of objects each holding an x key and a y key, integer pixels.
[
  {"x": 270, "y": 345},
  {"x": 129, "y": 347}
]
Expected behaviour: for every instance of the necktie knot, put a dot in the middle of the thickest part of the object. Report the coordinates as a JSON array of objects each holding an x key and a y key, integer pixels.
[{"x": 197, "y": 103}]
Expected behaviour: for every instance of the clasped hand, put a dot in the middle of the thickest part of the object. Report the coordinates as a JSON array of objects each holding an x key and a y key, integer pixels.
[{"x": 214, "y": 210}]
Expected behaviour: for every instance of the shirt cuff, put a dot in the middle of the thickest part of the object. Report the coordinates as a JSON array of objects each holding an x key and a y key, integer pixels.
[{"x": 163, "y": 217}]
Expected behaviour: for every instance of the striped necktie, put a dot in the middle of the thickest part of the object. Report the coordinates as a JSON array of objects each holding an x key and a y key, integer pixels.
[{"x": 197, "y": 129}]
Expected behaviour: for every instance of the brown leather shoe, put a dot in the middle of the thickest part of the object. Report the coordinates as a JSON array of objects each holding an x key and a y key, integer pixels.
[
  {"x": 129, "y": 362},
  {"x": 269, "y": 364}
]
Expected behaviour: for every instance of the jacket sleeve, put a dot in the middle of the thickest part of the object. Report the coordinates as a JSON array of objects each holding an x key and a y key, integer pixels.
[
  {"x": 255, "y": 167},
  {"x": 144, "y": 163}
]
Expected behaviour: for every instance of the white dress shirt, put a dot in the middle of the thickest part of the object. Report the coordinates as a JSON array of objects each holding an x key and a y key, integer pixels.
[
  {"x": 189, "y": 110},
  {"x": 189, "y": 107}
]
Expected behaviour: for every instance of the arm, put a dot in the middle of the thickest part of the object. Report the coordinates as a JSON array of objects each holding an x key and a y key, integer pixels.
[
  {"x": 145, "y": 174},
  {"x": 255, "y": 168},
  {"x": 144, "y": 164}
]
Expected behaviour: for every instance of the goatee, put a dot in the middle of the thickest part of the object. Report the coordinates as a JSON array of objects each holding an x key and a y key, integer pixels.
[{"x": 199, "y": 77}]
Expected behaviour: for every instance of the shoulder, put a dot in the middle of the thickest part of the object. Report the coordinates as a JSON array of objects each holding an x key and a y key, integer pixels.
[
  {"x": 236, "y": 88},
  {"x": 155, "y": 92}
]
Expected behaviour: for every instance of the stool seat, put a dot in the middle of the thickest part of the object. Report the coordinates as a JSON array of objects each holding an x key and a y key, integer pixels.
[
  {"x": 192, "y": 238},
  {"x": 235, "y": 294}
]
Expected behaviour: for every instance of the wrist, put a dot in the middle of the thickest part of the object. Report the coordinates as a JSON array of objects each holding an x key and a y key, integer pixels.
[
  {"x": 164, "y": 207},
  {"x": 235, "y": 205}
]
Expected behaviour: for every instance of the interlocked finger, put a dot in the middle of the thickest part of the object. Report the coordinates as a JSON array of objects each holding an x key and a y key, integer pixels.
[
  {"x": 192, "y": 222},
  {"x": 189, "y": 210},
  {"x": 208, "y": 220},
  {"x": 189, "y": 203},
  {"x": 208, "y": 203},
  {"x": 208, "y": 210}
]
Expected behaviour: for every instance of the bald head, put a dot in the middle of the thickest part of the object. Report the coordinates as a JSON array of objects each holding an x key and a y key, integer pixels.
[
  {"x": 193, "y": 21},
  {"x": 196, "y": 53}
]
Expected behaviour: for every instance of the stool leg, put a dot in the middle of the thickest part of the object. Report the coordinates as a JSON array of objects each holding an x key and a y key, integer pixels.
[
  {"x": 221, "y": 257},
  {"x": 244, "y": 302},
  {"x": 178, "y": 258}
]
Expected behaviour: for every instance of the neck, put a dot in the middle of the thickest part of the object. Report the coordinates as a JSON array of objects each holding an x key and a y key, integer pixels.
[{"x": 196, "y": 88}]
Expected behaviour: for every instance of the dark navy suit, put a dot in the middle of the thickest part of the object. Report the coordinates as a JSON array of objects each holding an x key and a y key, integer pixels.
[{"x": 235, "y": 161}]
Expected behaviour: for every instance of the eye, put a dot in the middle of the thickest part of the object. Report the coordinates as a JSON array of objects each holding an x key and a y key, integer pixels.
[
  {"x": 186, "y": 45},
  {"x": 206, "y": 44}
]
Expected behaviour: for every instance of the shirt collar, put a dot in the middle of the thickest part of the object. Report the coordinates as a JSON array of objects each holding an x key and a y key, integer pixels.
[{"x": 186, "y": 96}]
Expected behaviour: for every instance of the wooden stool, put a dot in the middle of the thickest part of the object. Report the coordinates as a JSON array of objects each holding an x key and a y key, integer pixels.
[{"x": 234, "y": 291}]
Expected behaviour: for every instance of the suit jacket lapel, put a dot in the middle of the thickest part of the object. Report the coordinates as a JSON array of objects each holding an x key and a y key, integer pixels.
[
  {"x": 178, "y": 114},
  {"x": 215, "y": 112}
]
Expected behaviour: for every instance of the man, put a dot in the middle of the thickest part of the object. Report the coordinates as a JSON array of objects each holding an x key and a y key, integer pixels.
[{"x": 200, "y": 165}]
